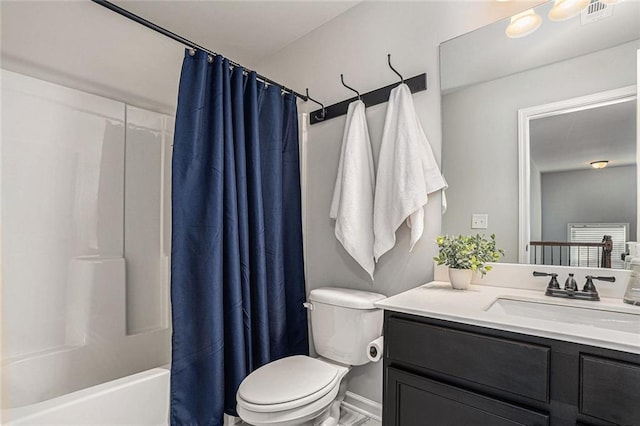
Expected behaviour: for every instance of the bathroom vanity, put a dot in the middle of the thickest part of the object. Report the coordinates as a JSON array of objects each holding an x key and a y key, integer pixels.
[{"x": 454, "y": 358}]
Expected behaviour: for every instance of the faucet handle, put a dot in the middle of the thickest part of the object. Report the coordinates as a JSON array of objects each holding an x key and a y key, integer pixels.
[
  {"x": 590, "y": 287},
  {"x": 553, "y": 283},
  {"x": 611, "y": 279}
]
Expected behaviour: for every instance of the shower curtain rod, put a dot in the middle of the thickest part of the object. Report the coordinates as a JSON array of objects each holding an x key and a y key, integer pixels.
[{"x": 165, "y": 32}]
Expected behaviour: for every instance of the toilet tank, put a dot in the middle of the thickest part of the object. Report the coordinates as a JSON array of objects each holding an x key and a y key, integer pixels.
[{"x": 343, "y": 322}]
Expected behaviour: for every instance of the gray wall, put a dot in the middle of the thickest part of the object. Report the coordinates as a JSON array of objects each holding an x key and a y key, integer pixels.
[
  {"x": 596, "y": 196},
  {"x": 480, "y": 129},
  {"x": 356, "y": 44}
]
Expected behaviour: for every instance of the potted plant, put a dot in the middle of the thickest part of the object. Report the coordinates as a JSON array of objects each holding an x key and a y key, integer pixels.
[{"x": 466, "y": 254}]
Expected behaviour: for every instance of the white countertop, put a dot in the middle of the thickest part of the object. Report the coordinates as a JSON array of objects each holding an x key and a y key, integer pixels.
[{"x": 438, "y": 300}]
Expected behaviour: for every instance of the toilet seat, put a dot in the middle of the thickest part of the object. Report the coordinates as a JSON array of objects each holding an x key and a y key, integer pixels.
[
  {"x": 290, "y": 389},
  {"x": 288, "y": 383},
  {"x": 297, "y": 415}
]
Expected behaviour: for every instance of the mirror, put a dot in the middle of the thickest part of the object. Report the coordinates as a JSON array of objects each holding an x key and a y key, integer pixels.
[
  {"x": 578, "y": 177},
  {"x": 550, "y": 78}
]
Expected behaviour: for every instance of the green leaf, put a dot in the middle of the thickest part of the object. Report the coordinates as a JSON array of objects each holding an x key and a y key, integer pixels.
[{"x": 468, "y": 252}]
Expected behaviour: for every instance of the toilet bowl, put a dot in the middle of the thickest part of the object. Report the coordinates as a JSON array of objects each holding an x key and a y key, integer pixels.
[
  {"x": 301, "y": 390},
  {"x": 290, "y": 391}
]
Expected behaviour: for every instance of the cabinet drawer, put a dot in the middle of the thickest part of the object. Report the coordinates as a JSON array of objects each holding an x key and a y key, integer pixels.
[
  {"x": 610, "y": 390},
  {"x": 416, "y": 401},
  {"x": 508, "y": 365}
]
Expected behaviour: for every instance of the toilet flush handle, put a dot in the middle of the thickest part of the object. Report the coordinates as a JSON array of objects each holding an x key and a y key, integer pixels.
[{"x": 308, "y": 305}]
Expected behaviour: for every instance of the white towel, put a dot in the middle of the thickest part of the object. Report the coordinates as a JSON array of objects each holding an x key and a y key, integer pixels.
[
  {"x": 352, "y": 204},
  {"x": 407, "y": 172}
]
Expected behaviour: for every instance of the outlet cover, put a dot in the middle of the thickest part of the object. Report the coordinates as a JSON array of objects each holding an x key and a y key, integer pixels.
[{"x": 479, "y": 221}]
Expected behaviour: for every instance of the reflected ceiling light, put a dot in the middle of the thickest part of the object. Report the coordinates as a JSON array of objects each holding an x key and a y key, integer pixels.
[
  {"x": 600, "y": 164},
  {"x": 565, "y": 9},
  {"x": 523, "y": 24}
]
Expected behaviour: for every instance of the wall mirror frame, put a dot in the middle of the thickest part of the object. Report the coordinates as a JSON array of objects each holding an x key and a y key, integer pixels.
[{"x": 525, "y": 116}]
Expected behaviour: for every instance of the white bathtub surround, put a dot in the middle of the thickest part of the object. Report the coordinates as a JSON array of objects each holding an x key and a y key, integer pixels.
[
  {"x": 62, "y": 151},
  {"x": 511, "y": 282},
  {"x": 147, "y": 222},
  {"x": 140, "y": 399},
  {"x": 83, "y": 301}
]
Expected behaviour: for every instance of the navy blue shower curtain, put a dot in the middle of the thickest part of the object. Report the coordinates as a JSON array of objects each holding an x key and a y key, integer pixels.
[{"x": 237, "y": 274}]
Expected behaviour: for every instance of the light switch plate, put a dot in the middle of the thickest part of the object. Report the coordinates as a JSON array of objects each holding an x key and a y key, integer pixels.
[{"x": 479, "y": 221}]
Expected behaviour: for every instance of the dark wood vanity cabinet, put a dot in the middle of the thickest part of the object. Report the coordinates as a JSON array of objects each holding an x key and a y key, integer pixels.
[{"x": 446, "y": 373}]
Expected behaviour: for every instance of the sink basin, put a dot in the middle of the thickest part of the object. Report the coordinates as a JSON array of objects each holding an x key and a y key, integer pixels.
[{"x": 627, "y": 322}]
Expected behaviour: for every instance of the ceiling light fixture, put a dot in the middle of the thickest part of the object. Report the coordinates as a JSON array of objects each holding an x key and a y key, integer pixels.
[
  {"x": 523, "y": 24},
  {"x": 600, "y": 164},
  {"x": 565, "y": 9}
]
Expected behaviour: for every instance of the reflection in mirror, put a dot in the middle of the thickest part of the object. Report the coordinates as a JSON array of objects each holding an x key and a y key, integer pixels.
[
  {"x": 487, "y": 78},
  {"x": 579, "y": 215}
]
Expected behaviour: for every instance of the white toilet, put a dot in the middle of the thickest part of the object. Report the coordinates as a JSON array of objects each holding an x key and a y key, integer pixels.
[{"x": 302, "y": 390}]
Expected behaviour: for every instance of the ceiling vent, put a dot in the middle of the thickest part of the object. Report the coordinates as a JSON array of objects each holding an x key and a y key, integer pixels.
[{"x": 595, "y": 12}]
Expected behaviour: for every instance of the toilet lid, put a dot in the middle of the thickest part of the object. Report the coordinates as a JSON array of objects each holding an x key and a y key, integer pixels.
[{"x": 286, "y": 379}]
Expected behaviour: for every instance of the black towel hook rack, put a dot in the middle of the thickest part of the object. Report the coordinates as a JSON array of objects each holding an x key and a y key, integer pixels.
[
  {"x": 350, "y": 88},
  {"x": 323, "y": 110},
  {"x": 416, "y": 84},
  {"x": 393, "y": 69}
]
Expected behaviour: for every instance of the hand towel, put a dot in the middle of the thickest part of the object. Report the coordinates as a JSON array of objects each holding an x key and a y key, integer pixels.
[
  {"x": 352, "y": 204},
  {"x": 407, "y": 173}
]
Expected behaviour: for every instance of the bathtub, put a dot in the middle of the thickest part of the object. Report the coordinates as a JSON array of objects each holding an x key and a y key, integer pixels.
[{"x": 139, "y": 399}]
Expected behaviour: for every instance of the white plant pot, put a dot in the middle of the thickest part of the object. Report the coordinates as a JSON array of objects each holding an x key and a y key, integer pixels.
[{"x": 460, "y": 278}]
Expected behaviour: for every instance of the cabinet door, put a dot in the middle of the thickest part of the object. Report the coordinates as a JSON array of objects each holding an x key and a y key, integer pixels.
[
  {"x": 412, "y": 400},
  {"x": 610, "y": 390}
]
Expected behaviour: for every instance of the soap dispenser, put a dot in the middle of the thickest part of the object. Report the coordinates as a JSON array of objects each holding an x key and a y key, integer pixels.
[{"x": 632, "y": 295}]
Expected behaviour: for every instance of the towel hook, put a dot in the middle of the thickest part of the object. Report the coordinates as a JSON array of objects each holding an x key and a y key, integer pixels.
[
  {"x": 323, "y": 114},
  {"x": 393, "y": 69},
  {"x": 350, "y": 88}
]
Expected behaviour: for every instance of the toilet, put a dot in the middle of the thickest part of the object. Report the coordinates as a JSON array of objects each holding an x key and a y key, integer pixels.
[{"x": 301, "y": 390}]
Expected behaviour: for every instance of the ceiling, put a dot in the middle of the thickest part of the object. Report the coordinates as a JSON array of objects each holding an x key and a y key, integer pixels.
[
  {"x": 244, "y": 31},
  {"x": 571, "y": 141},
  {"x": 463, "y": 65},
  {"x": 93, "y": 49}
]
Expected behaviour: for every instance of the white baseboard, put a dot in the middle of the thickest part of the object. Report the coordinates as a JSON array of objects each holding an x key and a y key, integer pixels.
[{"x": 362, "y": 405}]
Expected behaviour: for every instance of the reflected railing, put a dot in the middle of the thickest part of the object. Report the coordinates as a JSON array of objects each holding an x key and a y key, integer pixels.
[{"x": 575, "y": 253}]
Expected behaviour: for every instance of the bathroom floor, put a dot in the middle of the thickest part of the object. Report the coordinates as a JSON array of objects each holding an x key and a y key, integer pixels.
[{"x": 351, "y": 418}]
